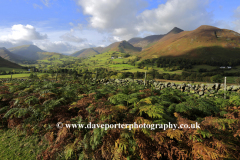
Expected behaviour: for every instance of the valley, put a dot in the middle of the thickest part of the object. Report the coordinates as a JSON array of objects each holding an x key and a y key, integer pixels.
[{"x": 177, "y": 77}]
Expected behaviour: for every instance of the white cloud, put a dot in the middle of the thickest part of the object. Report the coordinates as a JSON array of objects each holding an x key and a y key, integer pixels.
[
  {"x": 46, "y": 2},
  {"x": 187, "y": 14},
  {"x": 122, "y": 17},
  {"x": 110, "y": 16},
  {"x": 102, "y": 45},
  {"x": 236, "y": 23},
  {"x": 61, "y": 46},
  {"x": 8, "y": 44},
  {"x": 20, "y": 35},
  {"x": 72, "y": 38},
  {"x": 37, "y": 6},
  {"x": 113, "y": 39}
]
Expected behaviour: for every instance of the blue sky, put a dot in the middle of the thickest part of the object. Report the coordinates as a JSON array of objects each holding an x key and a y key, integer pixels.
[{"x": 66, "y": 26}]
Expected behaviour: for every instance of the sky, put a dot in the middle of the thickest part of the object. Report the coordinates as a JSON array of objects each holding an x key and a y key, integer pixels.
[{"x": 67, "y": 26}]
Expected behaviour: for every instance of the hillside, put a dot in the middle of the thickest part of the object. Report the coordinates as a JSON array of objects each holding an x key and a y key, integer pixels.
[
  {"x": 205, "y": 42},
  {"x": 6, "y": 63},
  {"x": 122, "y": 46},
  {"x": 151, "y": 40},
  {"x": 85, "y": 52},
  {"x": 27, "y": 51},
  {"x": 46, "y": 55},
  {"x": 6, "y": 54}
]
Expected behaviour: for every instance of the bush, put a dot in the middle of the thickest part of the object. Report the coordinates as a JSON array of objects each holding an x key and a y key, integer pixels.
[{"x": 216, "y": 79}]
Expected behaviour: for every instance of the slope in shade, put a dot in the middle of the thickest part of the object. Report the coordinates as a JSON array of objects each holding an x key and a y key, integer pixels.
[
  {"x": 6, "y": 63},
  {"x": 6, "y": 54},
  {"x": 32, "y": 52},
  {"x": 27, "y": 51}
]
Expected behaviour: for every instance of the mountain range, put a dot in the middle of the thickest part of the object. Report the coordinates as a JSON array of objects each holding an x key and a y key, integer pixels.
[
  {"x": 205, "y": 42},
  {"x": 132, "y": 46},
  {"x": 123, "y": 46},
  {"x": 151, "y": 40}
]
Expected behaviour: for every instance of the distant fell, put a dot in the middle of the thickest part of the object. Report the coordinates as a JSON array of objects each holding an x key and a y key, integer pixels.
[
  {"x": 123, "y": 46},
  {"x": 151, "y": 40},
  {"x": 205, "y": 42},
  {"x": 87, "y": 52},
  {"x": 6, "y": 54},
  {"x": 175, "y": 30},
  {"x": 27, "y": 51}
]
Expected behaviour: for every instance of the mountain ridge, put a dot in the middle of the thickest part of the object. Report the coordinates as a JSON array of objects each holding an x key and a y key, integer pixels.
[
  {"x": 122, "y": 46},
  {"x": 152, "y": 39},
  {"x": 27, "y": 51},
  {"x": 205, "y": 42},
  {"x": 6, "y": 54}
]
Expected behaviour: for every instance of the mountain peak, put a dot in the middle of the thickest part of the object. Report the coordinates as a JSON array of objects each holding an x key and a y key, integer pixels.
[
  {"x": 175, "y": 30},
  {"x": 207, "y": 27}
]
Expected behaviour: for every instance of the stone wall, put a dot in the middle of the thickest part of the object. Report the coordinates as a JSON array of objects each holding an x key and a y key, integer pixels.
[
  {"x": 208, "y": 89},
  {"x": 202, "y": 89}
]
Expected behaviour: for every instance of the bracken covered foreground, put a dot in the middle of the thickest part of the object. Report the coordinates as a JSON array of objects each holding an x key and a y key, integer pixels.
[{"x": 36, "y": 107}]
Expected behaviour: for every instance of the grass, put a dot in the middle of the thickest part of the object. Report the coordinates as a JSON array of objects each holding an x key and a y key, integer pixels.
[
  {"x": 11, "y": 69},
  {"x": 24, "y": 75},
  {"x": 231, "y": 80},
  {"x": 16, "y": 145},
  {"x": 197, "y": 67}
]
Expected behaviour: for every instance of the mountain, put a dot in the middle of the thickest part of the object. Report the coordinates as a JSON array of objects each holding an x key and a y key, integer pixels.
[
  {"x": 86, "y": 52},
  {"x": 205, "y": 42},
  {"x": 123, "y": 46},
  {"x": 151, "y": 40},
  {"x": 6, "y": 54},
  {"x": 30, "y": 52},
  {"x": 6, "y": 63},
  {"x": 46, "y": 55}
]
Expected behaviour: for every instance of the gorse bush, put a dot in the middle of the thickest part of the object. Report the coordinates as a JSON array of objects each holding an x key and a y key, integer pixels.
[{"x": 37, "y": 106}]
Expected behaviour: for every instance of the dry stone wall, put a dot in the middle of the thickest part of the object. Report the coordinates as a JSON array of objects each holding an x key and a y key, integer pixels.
[{"x": 208, "y": 89}]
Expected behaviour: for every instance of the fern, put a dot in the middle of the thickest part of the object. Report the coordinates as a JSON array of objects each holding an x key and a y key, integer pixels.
[
  {"x": 10, "y": 112},
  {"x": 69, "y": 151},
  {"x": 4, "y": 109},
  {"x": 153, "y": 111}
]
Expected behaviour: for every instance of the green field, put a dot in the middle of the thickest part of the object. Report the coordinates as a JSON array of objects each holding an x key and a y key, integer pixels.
[
  {"x": 197, "y": 67},
  {"x": 11, "y": 69},
  {"x": 25, "y": 75}
]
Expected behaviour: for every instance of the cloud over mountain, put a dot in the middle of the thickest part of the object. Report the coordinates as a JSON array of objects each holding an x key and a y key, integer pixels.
[
  {"x": 125, "y": 18},
  {"x": 72, "y": 38},
  {"x": 61, "y": 46},
  {"x": 187, "y": 14},
  {"x": 116, "y": 17},
  {"x": 236, "y": 22},
  {"x": 20, "y": 35}
]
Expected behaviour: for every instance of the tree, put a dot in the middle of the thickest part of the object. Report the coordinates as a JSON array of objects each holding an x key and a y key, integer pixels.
[
  {"x": 216, "y": 79},
  {"x": 166, "y": 76},
  {"x": 44, "y": 76},
  {"x": 33, "y": 76},
  {"x": 120, "y": 75}
]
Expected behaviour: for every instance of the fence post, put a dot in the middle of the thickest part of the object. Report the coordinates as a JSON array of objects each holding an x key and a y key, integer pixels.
[
  {"x": 96, "y": 77},
  {"x": 56, "y": 76},
  {"x": 225, "y": 87},
  {"x": 145, "y": 78}
]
